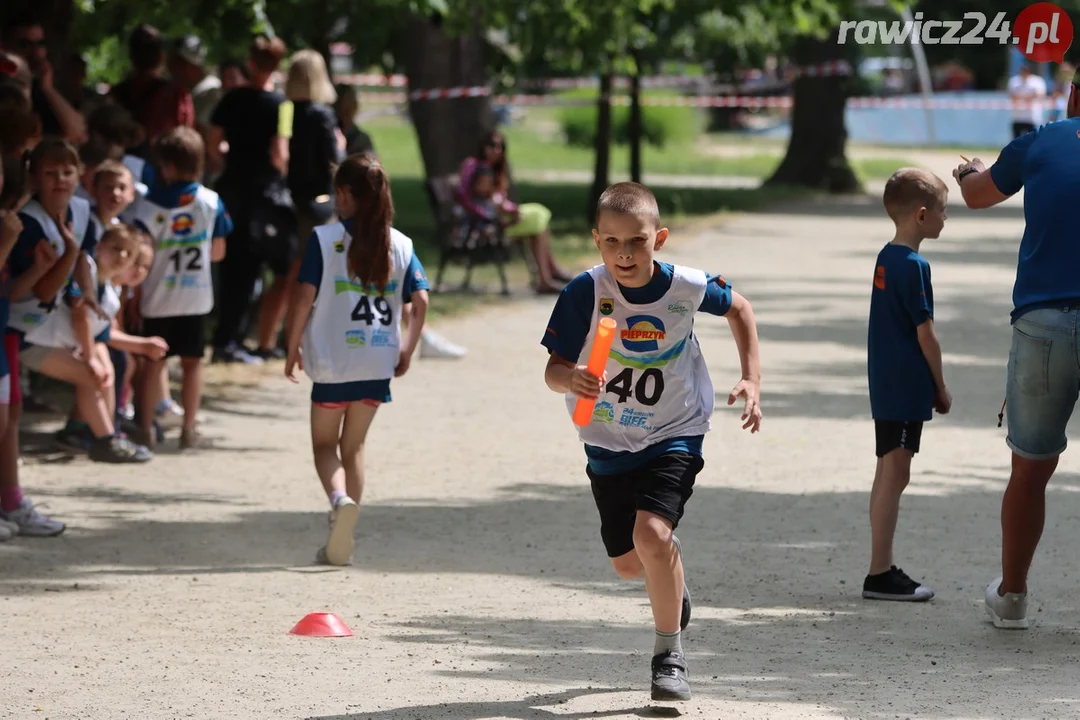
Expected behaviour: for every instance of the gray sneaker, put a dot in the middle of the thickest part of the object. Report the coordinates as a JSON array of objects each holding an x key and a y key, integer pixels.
[
  {"x": 670, "y": 677},
  {"x": 1009, "y": 611}
]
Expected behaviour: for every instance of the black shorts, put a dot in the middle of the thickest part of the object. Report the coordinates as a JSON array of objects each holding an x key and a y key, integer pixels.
[
  {"x": 185, "y": 334},
  {"x": 661, "y": 486},
  {"x": 893, "y": 434}
]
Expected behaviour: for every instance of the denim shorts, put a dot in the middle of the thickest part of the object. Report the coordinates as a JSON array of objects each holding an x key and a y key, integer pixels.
[{"x": 1043, "y": 381}]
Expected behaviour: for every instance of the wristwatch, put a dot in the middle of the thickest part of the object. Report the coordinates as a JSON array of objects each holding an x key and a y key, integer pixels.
[{"x": 964, "y": 173}]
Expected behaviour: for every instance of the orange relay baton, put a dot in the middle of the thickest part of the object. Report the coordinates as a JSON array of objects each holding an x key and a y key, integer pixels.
[{"x": 605, "y": 335}]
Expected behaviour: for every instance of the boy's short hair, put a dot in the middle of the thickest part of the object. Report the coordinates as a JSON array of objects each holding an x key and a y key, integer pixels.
[
  {"x": 53, "y": 149},
  {"x": 911, "y": 188},
  {"x": 111, "y": 168},
  {"x": 94, "y": 152},
  {"x": 266, "y": 53},
  {"x": 183, "y": 148},
  {"x": 126, "y": 238},
  {"x": 629, "y": 198}
]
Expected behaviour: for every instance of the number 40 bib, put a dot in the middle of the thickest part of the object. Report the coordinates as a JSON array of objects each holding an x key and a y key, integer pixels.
[{"x": 658, "y": 386}]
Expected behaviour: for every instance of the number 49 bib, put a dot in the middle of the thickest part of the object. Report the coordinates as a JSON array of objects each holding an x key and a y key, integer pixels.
[{"x": 658, "y": 386}]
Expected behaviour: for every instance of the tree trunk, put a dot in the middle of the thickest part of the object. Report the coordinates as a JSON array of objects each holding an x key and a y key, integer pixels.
[
  {"x": 634, "y": 129},
  {"x": 602, "y": 148},
  {"x": 816, "y": 153},
  {"x": 448, "y": 130}
]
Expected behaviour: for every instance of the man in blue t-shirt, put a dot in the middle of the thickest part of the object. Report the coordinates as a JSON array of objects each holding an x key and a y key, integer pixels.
[
  {"x": 1043, "y": 379},
  {"x": 903, "y": 367}
]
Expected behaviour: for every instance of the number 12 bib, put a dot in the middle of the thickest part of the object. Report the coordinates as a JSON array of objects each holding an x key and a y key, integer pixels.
[{"x": 658, "y": 386}]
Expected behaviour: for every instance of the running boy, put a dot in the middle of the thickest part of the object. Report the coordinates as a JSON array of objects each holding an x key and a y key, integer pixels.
[
  {"x": 903, "y": 365},
  {"x": 653, "y": 403},
  {"x": 189, "y": 224},
  {"x": 363, "y": 274}
]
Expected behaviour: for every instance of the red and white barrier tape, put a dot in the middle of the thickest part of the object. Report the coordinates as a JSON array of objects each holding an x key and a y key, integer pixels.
[
  {"x": 712, "y": 101},
  {"x": 831, "y": 68}
]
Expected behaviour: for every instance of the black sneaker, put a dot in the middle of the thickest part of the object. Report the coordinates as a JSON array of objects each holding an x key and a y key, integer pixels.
[
  {"x": 72, "y": 439},
  {"x": 687, "y": 606},
  {"x": 894, "y": 584},
  {"x": 670, "y": 677},
  {"x": 118, "y": 449}
]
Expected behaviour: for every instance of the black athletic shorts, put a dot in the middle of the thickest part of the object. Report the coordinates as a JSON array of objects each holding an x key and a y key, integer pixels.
[
  {"x": 893, "y": 434},
  {"x": 661, "y": 486},
  {"x": 186, "y": 334}
]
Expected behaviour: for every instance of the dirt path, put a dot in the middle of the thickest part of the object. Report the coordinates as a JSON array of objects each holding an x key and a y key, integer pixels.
[{"x": 480, "y": 588}]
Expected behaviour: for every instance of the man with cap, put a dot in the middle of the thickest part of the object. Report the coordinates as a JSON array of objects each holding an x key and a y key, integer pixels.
[{"x": 1043, "y": 380}]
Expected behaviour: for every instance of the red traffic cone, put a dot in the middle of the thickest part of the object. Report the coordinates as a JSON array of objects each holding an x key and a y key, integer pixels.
[{"x": 321, "y": 625}]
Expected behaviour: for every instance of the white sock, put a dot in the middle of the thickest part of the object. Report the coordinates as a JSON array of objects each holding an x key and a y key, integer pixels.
[{"x": 667, "y": 642}]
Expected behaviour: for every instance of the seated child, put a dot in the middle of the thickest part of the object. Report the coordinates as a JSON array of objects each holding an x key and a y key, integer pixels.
[
  {"x": 188, "y": 224},
  {"x": 94, "y": 335},
  {"x": 91, "y": 154},
  {"x": 478, "y": 224},
  {"x": 113, "y": 192},
  {"x": 57, "y": 234}
]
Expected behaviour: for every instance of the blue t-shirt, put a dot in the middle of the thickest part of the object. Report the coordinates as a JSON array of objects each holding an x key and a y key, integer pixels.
[
  {"x": 180, "y": 194},
  {"x": 902, "y": 299},
  {"x": 569, "y": 326},
  {"x": 1046, "y": 164},
  {"x": 311, "y": 269}
]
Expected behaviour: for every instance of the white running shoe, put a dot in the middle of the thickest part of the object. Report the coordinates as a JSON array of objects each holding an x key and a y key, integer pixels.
[
  {"x": 171, "y": 417},
  {"x": 5, "y": 533},
  {"x": 8, "y": 525},
  {"x": 433, "y": 345},
  {"x": 1008, "y": 612},
  {"x": 32, "y": 523},
  {"x": 339, "y": 543}
]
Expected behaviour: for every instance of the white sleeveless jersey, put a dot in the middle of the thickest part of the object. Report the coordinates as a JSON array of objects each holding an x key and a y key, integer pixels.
[
  {"x": 179, "y": 282},
  {"x": 658, "y": 386},
  {"x": 59, "y": 331},
  {"x": 28, "y": 314},
  {"x": 354, "y": 333}
]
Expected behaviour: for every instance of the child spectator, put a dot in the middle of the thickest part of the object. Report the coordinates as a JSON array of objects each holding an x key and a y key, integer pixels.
[
  {"x": 478, "y": 225},
  {"x": 57, "y": 235},
  {"x": 903, "y": 365},
  {"x": 364, "y": 275},
  {"x": 654, "y": 402},
  {"x": 189, "y": 224},
  {"x": 92, "y": 154},
  {"x": 115, "y": 126}
]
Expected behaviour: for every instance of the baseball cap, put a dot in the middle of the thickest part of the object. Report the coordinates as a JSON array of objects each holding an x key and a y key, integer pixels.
[{"x": 190, "y": 48}]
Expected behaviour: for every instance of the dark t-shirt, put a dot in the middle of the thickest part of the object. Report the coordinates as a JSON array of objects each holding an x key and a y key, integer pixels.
[
  {"x": 50, "y": 124},
  {"x": 251, "y": 119},
  {"x": 313, "y": 151}
]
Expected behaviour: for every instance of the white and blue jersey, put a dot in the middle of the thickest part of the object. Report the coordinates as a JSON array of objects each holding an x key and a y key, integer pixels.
[
  {"x": 658, "y": 398},
  {"x": 183, "y": 220},
  {"x": 352, "y": 342},
  {"x": 29, "y": 315}
]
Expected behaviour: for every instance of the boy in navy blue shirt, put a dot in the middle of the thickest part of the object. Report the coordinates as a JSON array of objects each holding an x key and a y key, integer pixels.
[{"x": 904, "y": 366}]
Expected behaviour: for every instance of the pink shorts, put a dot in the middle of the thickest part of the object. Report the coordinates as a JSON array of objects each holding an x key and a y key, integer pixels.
[{"x": 343, "y": 405}]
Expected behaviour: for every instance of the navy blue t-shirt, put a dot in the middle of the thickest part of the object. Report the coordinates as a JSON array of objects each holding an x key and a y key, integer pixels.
[
  {"x": 311, "y": 269},
  {"x": 1046, "y": 164},
  {"x": 902, "y": 299},
  {"x": 569, "y": 326}
]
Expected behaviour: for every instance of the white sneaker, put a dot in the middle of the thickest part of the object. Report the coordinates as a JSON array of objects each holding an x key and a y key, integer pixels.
[
  {"x": 171, "y": 417},
  {"x": 339, "y": 543},
  {"x": 1008, "y": 611},
  {"x": 8, "y": 525},
  {"x": 434, "y": 345},
  {"x": 32, "y": 523},
  {"x": 5, "y": 533}
]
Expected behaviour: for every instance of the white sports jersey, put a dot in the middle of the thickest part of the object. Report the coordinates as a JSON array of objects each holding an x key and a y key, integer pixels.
[
  {"x": 179, "y": 282},
  {"x": 354, "y": 333},
  {"x": 59, "y": 331},
  {"x": 28, "y": 314},
  {"x": 658, "y": 386}
]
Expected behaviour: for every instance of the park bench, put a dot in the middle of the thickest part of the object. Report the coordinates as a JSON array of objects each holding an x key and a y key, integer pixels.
[{"x": 440, "y": 191}]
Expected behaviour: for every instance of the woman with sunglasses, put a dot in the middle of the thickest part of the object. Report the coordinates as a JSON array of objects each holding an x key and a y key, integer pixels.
[{"x": 529, "y": 220}]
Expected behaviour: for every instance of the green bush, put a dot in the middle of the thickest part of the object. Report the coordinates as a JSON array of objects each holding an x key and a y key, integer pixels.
[{"x": 661, "y": 126}]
